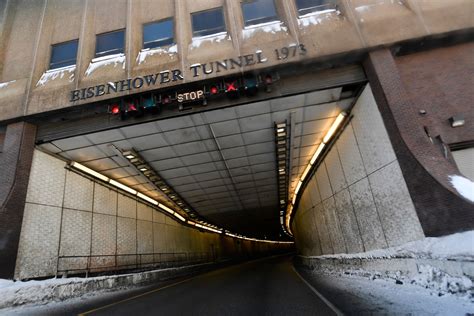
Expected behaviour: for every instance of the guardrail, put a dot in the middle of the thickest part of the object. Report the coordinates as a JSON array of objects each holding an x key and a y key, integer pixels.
[{"x": 117, "y": 262}]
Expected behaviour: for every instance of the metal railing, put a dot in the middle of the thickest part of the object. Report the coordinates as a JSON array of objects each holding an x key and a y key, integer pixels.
[{"x": 119, "y": 262}]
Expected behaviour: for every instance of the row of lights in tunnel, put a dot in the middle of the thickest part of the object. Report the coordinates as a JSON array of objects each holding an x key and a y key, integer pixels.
[
  {"x": 199, "y": 224},
  {"x": 326, "y": 139},
  {"x": 281, "y": 135}
]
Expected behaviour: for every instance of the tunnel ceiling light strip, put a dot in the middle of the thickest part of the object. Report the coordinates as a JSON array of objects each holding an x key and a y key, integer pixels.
[
  {"x": 330, "y": 133},
  {"x": 181, "y": 218},
  {"x": 89, "y": 171},
  {"x": 140, "y": 164},
  {"x": 123, "y": 187},
  {"x": 203, "y": 225},
  {"x": 147, "y": 198},
  {"x": 281, "y": 144}
]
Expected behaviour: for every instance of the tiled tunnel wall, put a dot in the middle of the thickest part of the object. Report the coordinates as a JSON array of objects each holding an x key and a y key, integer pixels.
[
  {"x": 357, "y": 200},
  {"x": 68, "y": 215}
]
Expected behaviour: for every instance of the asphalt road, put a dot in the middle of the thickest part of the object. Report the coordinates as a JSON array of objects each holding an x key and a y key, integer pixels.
[{"x": 262, "y": 287}]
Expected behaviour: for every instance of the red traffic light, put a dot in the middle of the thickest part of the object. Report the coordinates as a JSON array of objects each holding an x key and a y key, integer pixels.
[
  {"x": 115, "y": 109},
  {"x": 214, "y": 90}
]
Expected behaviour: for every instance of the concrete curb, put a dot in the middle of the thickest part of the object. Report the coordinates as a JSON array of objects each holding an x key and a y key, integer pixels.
[
  {"x": 62, "y": 289},
  {"x": 407, "y": 267}
]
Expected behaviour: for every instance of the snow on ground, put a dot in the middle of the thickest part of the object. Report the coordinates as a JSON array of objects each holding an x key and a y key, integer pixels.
[
  {"x": 464, "y": 186},
  {"x": 369, "y": 295},
  {"x": 99, "y": 62},
  {"x": 52, "y": 74},
  {"x": 5, "y": 84},
  {"x": 448, "y": 249},
  {"x": 144, "y": 53},
  {"x": 458, "y": 246},
  {"x": 18, "y": 293},
  {"x": 217, "y": 38},
  {"x": 268, "y": 27}
]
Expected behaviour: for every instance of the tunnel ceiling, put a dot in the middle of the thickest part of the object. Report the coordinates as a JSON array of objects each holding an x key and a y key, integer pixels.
[{"x": 222, "y": 162}]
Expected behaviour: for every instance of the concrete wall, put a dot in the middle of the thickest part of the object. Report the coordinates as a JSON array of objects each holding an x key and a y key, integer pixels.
[
  {"x": 357, "y": 199},
  {"x": 90, "y": 226},
  {"x": 29, "y": 28}
]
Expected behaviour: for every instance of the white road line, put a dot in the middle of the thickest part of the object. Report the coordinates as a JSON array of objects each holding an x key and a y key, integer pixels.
[{"x": 325, "y": 300}]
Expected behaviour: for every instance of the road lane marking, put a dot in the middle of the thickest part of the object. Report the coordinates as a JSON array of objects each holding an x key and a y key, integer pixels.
[
  {"x": 325, "y": 300},
  {"x": 171, "y": 285},
  {"x": 135, "y": 297}
]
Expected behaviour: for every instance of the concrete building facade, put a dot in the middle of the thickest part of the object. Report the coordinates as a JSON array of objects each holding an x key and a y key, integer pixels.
[{"x": 227, "y": 76}]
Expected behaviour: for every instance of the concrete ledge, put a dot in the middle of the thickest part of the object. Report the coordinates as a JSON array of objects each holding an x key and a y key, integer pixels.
[
  {"x": 37, "y": 292},
  {"x": 408, "y": 267}
]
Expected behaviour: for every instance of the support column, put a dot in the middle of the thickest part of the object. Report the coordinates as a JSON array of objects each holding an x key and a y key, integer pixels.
[
  {"x": 424, "y": 160},
  {"x": 16, "y": 156}
]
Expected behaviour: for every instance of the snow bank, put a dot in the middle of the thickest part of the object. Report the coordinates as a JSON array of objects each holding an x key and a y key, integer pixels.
[
  {"x": 99, "y": 62},
  {"x": 442, "y": 264},
  {"x": 52, "y": 74},
  {"x": 15, "y": 293},
  {"x": 213, "y": 38},
  {"x": 458, "y": 246},
  {"x": 268, "y": 27},
  {"x": 433, "y": 278},
  {"x": 144, "y": 53},
  {"x": 5, "y": 84},
  {"x": 464, "y": 186}
]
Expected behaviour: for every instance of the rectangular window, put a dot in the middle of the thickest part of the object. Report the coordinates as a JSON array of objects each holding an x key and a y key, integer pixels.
[
  {"x": 63, "y": 54},
  {"x": 158, "y": 34},
  {"x": 309, "y": 6},
  {"x": 110, "y": 43},
  {"x": 208, "y": 22},
  {"x": 259, "y": 11}
]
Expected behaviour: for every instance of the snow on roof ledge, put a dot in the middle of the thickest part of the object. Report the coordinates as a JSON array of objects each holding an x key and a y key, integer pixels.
[
  {"x": 52, "y": 74},
  {"x": 104, "y": 61},
  {"x": 272, "y": 27},
  {"x": 144, "y": 53},
  {"x": 464, "y": 186},
  {"x": 217, "y": 37}
]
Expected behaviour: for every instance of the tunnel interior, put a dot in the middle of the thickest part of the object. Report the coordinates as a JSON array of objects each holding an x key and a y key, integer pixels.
[{"x": 222, "y": 163}]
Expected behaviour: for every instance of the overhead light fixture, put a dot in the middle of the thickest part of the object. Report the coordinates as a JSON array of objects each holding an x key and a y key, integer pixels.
[
  {"x": 317, "y": 153},
  {"x": 165, "y": 208},
  {"x": 457, "y": 120},
  {"x": 334, "y": 126},
  {"x": 123, "y": 187},
  {"x": 89, "y": 171},
  {"x": 281, "y": 134},
  {"x": 147, "y": 198},
  {"x": 181, "y": 218}
]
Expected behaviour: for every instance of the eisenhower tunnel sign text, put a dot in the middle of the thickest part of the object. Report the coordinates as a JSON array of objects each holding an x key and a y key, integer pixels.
[{"x": 175, "y": 75}]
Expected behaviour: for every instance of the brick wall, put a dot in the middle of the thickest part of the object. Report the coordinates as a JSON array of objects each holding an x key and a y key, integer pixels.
[
  {"x": 439, "y": 82},
  {"x": 15, "y": 160}
]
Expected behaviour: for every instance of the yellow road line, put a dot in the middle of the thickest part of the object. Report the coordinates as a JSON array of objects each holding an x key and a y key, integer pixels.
[
  {"x": 168, "y": 286},
  {"x": 136, "y": 296}
]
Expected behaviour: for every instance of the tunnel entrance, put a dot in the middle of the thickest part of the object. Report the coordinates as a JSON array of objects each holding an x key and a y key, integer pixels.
[{"x": 223, "y": 163}]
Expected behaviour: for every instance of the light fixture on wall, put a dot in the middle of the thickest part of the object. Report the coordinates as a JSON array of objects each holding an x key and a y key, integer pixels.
[
  {"x": 335, "y": 126},
  {"x": 457, "y": 120}
]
